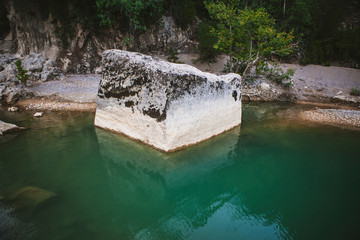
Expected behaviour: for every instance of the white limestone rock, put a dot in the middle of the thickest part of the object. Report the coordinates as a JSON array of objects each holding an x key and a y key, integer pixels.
[
  {"x": 13, "y": 109},
  {"x": 33, "y": 62},
  {"x": 165, "y": 105},
  {"x": 38, "y": 114}
]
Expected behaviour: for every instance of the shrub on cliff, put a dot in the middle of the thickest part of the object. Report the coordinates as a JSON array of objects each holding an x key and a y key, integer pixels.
[
  {"x": 21, "y": 72},
  {"x": 355, "y": 91},
  {"x": 134, "y": 11}
]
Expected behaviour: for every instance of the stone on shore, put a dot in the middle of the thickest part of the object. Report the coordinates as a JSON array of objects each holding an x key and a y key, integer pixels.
[
  {"x": 8, "y": 127},
  {"x": 38, "y": 114},
  {"x": 13, "y": 109},
  {"x": 165, "y": 105}
]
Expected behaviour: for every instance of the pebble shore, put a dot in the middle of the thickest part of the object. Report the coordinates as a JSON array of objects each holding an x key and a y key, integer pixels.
[
  {"x": 336, "y": 117},
  {"x": 56, "y": 105}
]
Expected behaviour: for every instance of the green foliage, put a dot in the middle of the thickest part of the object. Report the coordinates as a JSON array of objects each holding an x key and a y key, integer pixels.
[
  {"x": 274, "y": 73},
  {"x": 335, "y": 32},
  {"x": 328, "y": 31},
  {"x": 355, "y": 91},
  {"x": 206, "y": 42},
  {"x": 185, "y": 11},
  {"x": 248, "y": 36},
  {"x": 173, "y": 56},
  {"x": 134, "y": 11},
  {"x": 21, "y": 72},
  {"x": 305, "y": 61},
  {"x": 128, "y": 41}
]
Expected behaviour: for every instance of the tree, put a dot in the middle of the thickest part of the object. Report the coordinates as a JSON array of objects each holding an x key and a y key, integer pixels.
[
  {"x": 248, "y": 36},
  {"x": 133, "y": 10}
]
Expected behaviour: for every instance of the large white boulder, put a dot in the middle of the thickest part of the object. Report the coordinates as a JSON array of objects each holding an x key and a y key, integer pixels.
[{"x": 166, "y": 105}]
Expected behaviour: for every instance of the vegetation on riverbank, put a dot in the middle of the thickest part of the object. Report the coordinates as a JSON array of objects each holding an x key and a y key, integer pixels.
[
  {"x": 250, "y": 39},
  {"x": 328, "y": 32},
  {"x": 22, "y": 75}
]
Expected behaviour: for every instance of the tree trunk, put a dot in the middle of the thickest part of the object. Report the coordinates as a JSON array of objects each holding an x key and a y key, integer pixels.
[
  {"x": 284, "y": 10},
  {"x": 250, "y": 64}
]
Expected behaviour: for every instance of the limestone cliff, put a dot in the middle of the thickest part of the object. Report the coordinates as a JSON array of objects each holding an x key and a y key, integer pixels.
[
  {"x": 75, "y": 47},
  {"x": 163, "y": 104}
]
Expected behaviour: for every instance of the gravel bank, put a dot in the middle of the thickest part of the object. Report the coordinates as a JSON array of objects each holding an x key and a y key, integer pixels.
[
  {"x": 336, "y": 117},
  {"x": 53, "y": 104},
  {"x": 74, "y": 88},
  {"x": 312, "y": 83},
  {"x": 74, "y": 93}
]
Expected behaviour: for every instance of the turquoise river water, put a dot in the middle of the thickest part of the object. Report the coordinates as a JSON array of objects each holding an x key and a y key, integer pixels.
[{"x": 272, "y": 178}]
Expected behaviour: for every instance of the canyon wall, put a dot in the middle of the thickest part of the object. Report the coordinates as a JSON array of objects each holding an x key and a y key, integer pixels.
[{"x": 76, "y": 47}]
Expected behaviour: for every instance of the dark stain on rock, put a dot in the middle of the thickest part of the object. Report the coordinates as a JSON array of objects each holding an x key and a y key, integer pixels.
[
  {"x": 129, "y": 104},
  {"x": 155, "y": 113},
  {"x": 219, "y": 86},
  {"x": 100, "y": 93},
  {"x": 123, "y": 93},
  {"x": 234, "y": 94}
]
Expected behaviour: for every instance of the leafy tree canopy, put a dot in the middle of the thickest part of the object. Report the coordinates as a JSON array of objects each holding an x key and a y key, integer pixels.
[
  {"x": 133, "y": 10},
  {"x": 248, "y": 36}
]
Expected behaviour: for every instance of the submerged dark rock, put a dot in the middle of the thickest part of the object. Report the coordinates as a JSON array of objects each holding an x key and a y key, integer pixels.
[
  {"x": 28, "y": 199},
  {"x": 8, "y": 127}
]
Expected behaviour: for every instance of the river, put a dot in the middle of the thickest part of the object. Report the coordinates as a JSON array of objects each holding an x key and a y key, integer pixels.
[{"x": 272, "y": 178}]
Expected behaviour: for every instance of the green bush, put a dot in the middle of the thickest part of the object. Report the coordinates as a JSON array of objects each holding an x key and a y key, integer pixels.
[
  {"x": 355, "y": 91},
  {"x": 206, "y": 42},
  {"x": 183, "y": 11},
  {"x": 136, "y": 13},
  {"x": 274, "y": 73},
  {"x": 173, "y": 56},
  {"x": 21, "y": 72}
]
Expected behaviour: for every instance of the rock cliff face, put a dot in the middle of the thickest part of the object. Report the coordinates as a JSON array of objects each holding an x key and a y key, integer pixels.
[
  {"x": 166, "y": 105},
  {"x": 37, "y": 67},
  {"x": 76, "y": 48}
]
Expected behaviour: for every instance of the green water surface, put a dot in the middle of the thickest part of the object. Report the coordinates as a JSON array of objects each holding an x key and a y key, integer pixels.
[{"x": 271, "y": 178}]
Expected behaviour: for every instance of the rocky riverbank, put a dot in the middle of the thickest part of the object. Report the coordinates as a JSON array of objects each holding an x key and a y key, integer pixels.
[
  {"x": 325, "y": 87},
  {"x": 336, "y": 117},
  {"x": 73, "y": 93}
]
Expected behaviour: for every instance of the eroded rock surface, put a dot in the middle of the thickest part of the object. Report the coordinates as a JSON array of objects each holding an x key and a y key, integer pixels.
[{"x": 163, "y": 104}]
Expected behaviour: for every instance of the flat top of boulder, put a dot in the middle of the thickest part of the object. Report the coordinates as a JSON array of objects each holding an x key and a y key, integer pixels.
[{"x": 157, "y": 64}]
